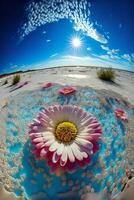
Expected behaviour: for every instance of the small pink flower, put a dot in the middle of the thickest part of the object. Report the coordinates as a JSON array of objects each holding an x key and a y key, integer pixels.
[
  {"x": 47, "y": 85},
  {"x": 67, "y": 90},
  {"x": 121, "y": 114}
]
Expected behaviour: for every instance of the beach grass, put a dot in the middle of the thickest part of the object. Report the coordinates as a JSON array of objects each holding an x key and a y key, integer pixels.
[
  {"x": 5, "y": 82},
  {"x": 106, "y": 74},
  {"x": 16, "y": 79}
]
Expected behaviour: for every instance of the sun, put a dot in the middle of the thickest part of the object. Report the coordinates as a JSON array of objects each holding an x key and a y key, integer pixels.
[{"x": 76, "y": 42}]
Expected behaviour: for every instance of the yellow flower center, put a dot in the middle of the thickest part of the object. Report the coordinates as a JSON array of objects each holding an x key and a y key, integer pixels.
[{"x": 65, "y": 132}]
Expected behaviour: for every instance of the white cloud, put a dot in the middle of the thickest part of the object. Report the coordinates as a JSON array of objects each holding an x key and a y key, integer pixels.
[
  {"x": 48, "y": 40},
  {"x": 44, "y": 32},
  {"x": 54, "y": 55},
  {"x": 89, "y": 49},
  {"x": 43, "y": 12},
  {"x": 132, "y": 57},
  {"x": 114, "y": 54},
  {"x": 105, "y": 56},
  {"x": 99, "y": 25},
  {"x": 129, "y": 57},
  {"x": 126, "y": 57},
  {"x": 105, "y": 48},
  {"x": 111, "y": 52}
]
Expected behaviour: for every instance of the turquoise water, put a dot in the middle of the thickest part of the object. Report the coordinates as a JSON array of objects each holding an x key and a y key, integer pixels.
[{"x": 31, "y": 176}]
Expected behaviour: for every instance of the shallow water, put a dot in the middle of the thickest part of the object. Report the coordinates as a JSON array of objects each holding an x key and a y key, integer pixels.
[{"x": 30, "y": 176}]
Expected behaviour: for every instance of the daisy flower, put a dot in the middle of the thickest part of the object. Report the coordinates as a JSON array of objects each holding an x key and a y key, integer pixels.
[{"x": 65, "y": 136}]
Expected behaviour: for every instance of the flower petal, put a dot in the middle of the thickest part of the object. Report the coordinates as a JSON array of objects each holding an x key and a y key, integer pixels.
[
  {"x": 64, "y": 157},
  {"x": 48, "y": 143},
  {"x": 60, "y": 149},
  {"x": 54, "y": 146},
  {"x": 43, "y": 153},
  {"x": 84, "y": 142},
  {"x": 39, "y": 145},
  {"x": 70, "y": 154},
  {"x": 96, "y": 136},
  {"x": 76, "y": 151},
  {"x": 55, "y": 157}
]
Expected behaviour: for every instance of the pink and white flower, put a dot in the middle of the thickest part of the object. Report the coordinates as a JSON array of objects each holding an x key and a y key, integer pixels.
[
  {"x": 67, "y": 90},
  {"x": 121, "y": 114},
  {"x": 65, "y": 136},
  {"x": 47, "y": 85}
]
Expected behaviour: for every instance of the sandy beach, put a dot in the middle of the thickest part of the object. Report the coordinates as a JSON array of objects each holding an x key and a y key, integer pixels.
[{"x": 121, "y": 90}]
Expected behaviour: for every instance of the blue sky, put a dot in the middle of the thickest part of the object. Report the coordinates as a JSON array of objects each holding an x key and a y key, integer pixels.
[{"x": 38, "y": 34}]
